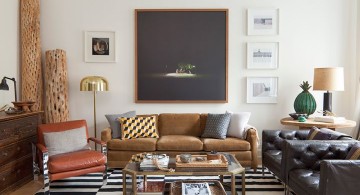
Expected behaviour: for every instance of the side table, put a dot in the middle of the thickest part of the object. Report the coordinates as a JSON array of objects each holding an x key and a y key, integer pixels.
[{"x": 310, "y": 123}]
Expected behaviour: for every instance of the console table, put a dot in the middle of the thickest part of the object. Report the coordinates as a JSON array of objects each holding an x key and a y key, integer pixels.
[
  {"x": 17, "y": 132},
  {"x": 310, "y": 123}
]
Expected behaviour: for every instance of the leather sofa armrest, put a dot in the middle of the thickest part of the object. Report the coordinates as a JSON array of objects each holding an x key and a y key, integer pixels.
[
  {"x": 253, "y": 139},
  {"x": 97, "y": 141},
  {"x": 41, "y": 148},
  {"x": 339, "y": 176},
  {"x": 106, "y": 135},
  {"x": 307, "y": 154}
]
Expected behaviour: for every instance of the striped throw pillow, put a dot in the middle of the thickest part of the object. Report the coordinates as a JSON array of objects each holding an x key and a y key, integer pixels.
[
  {"x": 354, "y": 153},
  {"x": 317, "y": 134},
  {"x": 138, "y": 127}
]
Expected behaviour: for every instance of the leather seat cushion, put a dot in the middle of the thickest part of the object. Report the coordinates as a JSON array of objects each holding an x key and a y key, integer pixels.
[
  {"x": 179, "y": 143},
  {"x": 75, "y": 161},
  {"x": 306, "y": 178},
  {"x": 138, "y": 144},
  {"x": 228, "y": 144}
]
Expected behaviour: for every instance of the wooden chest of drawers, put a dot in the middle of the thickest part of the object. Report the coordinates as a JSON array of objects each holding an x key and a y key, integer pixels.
[{"x": 17, "y": 132}]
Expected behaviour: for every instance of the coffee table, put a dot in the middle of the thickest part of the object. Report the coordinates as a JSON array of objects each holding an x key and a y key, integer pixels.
[{"x": 234, "y": 168}]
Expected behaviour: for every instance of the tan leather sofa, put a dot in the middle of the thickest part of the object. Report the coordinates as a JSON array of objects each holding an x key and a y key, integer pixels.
[{"x": 181, "y": 133}]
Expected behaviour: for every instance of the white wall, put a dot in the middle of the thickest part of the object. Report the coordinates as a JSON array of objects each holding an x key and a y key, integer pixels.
[
  {"x": 9, "y": 49},
  {"x": 312, "y": 34}
]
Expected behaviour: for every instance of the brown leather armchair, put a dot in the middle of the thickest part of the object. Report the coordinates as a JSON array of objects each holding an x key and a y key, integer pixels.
[{"x": 70, "y": 164}]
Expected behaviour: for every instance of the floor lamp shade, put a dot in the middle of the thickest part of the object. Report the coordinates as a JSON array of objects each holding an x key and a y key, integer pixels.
[
  {"x": 94, "y": 84},
  {"x": 328, "y": 79}
]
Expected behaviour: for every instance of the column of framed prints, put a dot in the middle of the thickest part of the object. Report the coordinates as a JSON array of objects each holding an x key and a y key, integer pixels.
[{"x": 262, "y": 55}]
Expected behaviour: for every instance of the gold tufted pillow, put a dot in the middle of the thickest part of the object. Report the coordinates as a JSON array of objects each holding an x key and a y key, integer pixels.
[{"x": 138, "y": 127}]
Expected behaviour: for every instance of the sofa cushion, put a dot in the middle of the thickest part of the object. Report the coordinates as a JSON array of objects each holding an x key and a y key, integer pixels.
[
  {"x": 139, "y": 144},
  {"x": 354, "y": 153},
  {"x": 115, "y": 123},
  {"x": 179, "y": 124},
  {"x": 217, "y": 126},
  {"x": 179, "y": 143},
  {"x": 66, "y": 141},
  {"x": 237, "y": 124},
  {"x": 138, "y": 127},
  {"x": 75, "y": 161},
  {"x": 228, "y": 144}
]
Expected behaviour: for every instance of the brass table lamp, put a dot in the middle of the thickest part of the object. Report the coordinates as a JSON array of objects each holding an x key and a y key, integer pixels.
[{"x": 94, "y": 84}]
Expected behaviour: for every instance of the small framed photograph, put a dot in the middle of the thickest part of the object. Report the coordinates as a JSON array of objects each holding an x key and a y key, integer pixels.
[
  {"x": 263, "y": 22},
  {"x": 262, "y": 89},
  {"x": 262, "y": 55},
  {"x": 100, "y": 46}
]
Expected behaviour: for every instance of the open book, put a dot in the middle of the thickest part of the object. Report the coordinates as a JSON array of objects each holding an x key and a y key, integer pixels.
[{"x": 196, "y": 189}]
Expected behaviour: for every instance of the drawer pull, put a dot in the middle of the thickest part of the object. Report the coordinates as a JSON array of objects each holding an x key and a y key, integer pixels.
[
  {"x": 18, "y": 171},
  {"x": 18, "y": 148},
  {"x": 3, "y": 179},
  {"x": 4, "y": 153}
]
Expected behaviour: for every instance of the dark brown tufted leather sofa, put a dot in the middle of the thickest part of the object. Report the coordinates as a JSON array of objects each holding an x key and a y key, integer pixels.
[
  {"x": 318, "y": 167},
  {"x": 275, "y": 152}
]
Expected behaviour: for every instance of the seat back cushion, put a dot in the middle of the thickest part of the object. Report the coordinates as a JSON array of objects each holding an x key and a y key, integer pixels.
[
  {"x": 179, "y": 124},
  {"x": 66, "y": 141},
  {"x": 58, "y": 127}
]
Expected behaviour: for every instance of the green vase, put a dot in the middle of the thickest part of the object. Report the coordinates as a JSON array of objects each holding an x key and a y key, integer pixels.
[{"x": 305, "y": 101}]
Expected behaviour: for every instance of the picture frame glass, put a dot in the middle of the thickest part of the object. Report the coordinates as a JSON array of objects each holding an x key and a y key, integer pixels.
[
  {"x": 263, "y": 21},
  {"x": 262, "y": 89},
  {"x": 262, "y": 55},
  {"x": 100, "y": 46}
]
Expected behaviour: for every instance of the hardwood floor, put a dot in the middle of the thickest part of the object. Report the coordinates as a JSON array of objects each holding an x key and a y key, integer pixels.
[{"x": 29, "y": 188}]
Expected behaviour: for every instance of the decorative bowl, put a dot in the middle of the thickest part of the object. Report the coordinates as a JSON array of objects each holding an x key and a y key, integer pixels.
[
  {"x": 24, "y": 105},
  {"x": 295, "y": 116},
  {"x": 185, "y": 158}
]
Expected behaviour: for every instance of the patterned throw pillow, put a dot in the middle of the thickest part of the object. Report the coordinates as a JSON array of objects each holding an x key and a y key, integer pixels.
[
  {"x": 113, "y": 120},
  {"x": 319, "y": 134},
  {"x": 137, "y": 127},
  {"x": 217, "y": 125},
  {"x": 354, "y": 153}
]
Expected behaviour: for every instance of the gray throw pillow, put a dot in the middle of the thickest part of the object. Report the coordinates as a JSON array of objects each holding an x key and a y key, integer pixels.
[
  {"x": 216, "y": 126},
  {"x": 115, "y": 123},
  {"x": 66, "y": 141}
]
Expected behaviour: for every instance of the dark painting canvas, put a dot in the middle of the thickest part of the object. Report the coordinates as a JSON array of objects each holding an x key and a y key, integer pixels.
[{"x": 181, "y": 56}]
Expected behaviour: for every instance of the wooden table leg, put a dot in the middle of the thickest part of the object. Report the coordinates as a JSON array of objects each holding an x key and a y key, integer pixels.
[
  {"x": 124, "y": 182},
  {"x": 222, "y": 178},
  {"x": 134, "y": 184},
  {"x": 243, "y": 182},
  {"x": 233, "y": 189}
]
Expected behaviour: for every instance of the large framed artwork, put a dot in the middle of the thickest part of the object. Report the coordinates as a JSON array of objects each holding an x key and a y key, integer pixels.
[{"x": 181, "y": 55}]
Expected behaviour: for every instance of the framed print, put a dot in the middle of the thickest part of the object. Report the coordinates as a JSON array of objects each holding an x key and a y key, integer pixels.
[
  {"x": 262, "y": 55},
  {"x": 100, "y": 46},
  {"x": 262, "y": 89},
  {"x": 181, "y": 55},
  {"x": 263, "y": 21}
]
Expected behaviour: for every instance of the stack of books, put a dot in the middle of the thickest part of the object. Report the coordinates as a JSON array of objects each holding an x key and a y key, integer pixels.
[
  {"x": 148, "y": 163},
  {"x": 330, "y": 119}
]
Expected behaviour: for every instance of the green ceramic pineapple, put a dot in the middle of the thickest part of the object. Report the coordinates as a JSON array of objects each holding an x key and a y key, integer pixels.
[{"x": 305, "y": 101}]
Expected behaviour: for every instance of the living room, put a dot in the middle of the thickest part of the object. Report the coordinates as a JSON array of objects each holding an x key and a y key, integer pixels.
[{"x": 311, "y": 34}]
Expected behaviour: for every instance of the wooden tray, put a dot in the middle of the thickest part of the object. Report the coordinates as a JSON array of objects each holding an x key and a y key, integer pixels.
[
  {"x": 215, "y": 187},
  {"x": 201, "y": 164}
]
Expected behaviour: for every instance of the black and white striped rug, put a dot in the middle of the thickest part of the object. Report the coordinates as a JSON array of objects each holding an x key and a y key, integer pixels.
[{"x": 91, "y": 184}]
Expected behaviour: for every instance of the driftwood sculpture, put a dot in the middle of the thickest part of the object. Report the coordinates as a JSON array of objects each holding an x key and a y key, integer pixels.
[
  {"x": 56, "y": 86},
  {"x": 31, "y": 72}
]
